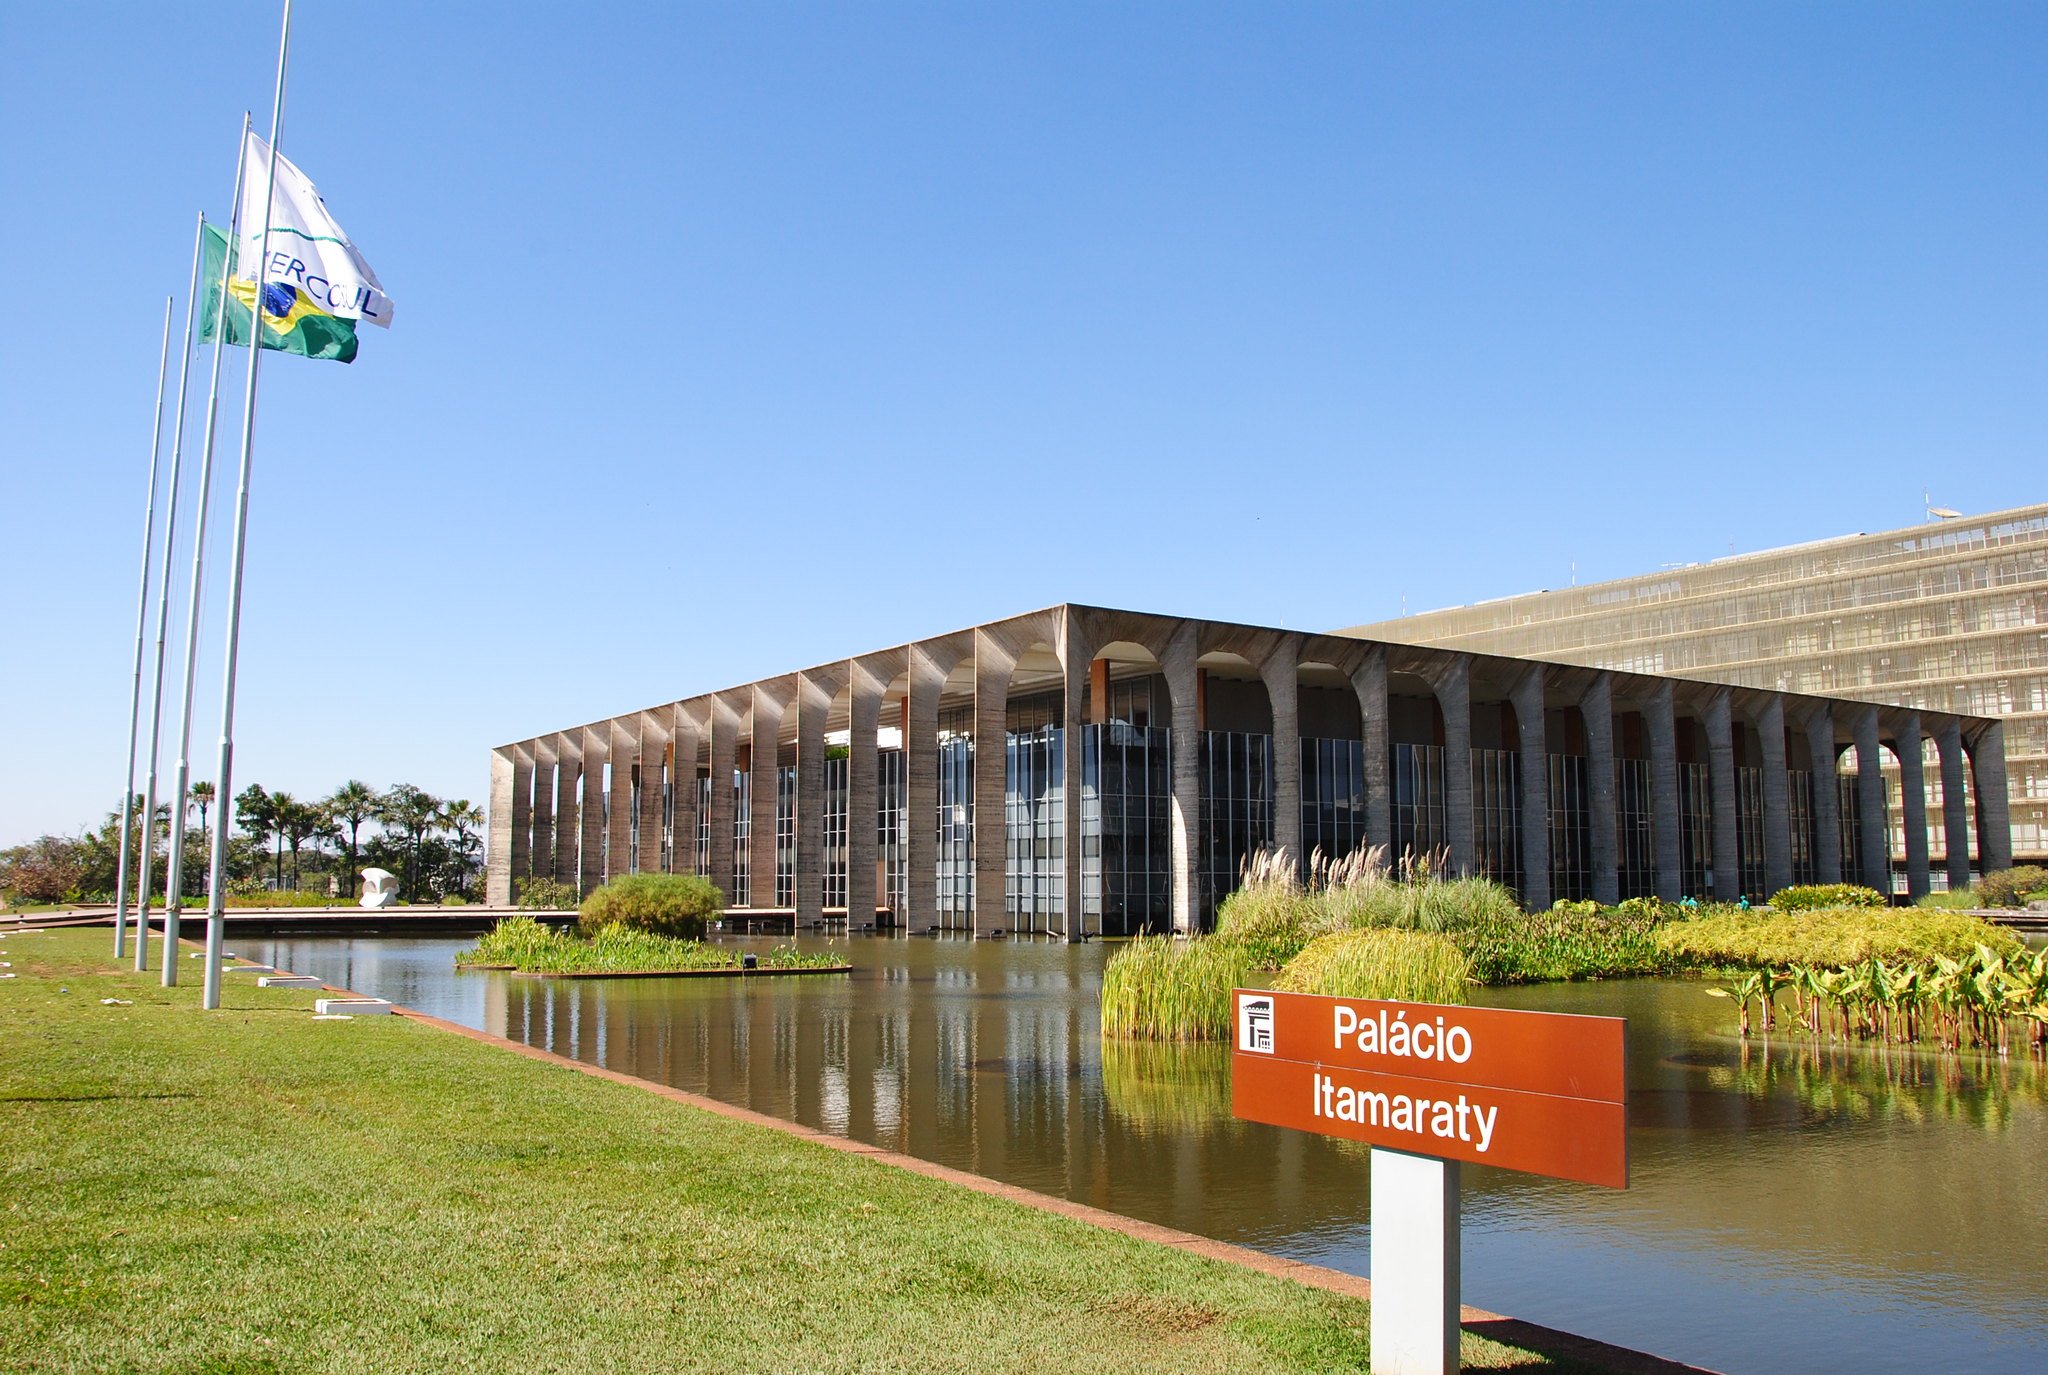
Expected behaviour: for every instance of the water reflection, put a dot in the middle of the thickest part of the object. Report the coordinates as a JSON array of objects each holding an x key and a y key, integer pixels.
[{"x": 1791, "y": 1202}]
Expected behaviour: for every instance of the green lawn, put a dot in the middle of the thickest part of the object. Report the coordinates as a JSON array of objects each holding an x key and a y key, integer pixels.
[{"x": 252, "y": 1190}]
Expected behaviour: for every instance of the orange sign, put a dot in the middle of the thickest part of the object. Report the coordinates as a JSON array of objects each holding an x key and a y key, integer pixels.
[{"x": 1534, "y": 1091}]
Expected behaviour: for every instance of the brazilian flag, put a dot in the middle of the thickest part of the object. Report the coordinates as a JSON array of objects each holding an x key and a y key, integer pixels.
[{"x": 292, "y": 323}]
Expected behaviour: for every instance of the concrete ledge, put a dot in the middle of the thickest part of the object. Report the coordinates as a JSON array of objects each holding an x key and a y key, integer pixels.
[
  {"x": 289, "y": 981},
  {"x": 351, "y": 1007}
]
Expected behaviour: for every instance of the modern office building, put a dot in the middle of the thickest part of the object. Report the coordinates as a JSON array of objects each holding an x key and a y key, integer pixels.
[
  {"x": 928, "y": 781},
  {"x": 1946, "y": 617}
]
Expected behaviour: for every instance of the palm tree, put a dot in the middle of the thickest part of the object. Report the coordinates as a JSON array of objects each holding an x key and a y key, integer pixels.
[
  {"x": 352, "y": 804},
  {"x": 416, "y": 814},
  {"x": 200, "y": 795},
  {"x": 295, "y": 821},
  {"x": 257, "y": 811},
  {"x": 465, "y": 819}
]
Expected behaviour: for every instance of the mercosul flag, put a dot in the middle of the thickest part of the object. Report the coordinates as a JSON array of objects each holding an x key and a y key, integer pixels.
[
  {"x": 291, "y": 321},
  {"x": 309, "y": 252}
]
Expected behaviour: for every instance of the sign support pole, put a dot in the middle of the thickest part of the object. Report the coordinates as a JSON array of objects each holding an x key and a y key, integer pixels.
[{"x": 1415, "y": 1264}]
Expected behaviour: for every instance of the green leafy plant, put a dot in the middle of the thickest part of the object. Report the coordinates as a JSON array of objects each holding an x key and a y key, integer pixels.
[
  {"x": 2011, "y": 887},
  {"x": 1760, "y": 937},
  {"x": 1162, "y": 989},
  {"x": 546, "y": 895},
  {"x": 1405, "y": 966},
  {"x": 1809, "y": 897},
  {"x": 678, "y": 905}
]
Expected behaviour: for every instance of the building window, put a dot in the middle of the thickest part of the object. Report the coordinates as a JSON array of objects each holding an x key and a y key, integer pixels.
[
  {"x": 1418, "y": 780},
  {"x": 1805, "y": 867},
  {"x": 1571, "y": 829},
  {"x": 1237, "y": 810},
  {"x": 1126, "y": 828},
  {"x": 1497, "y": 815},
  {"x": 1034, "y": 822},
  {"x": 785, "y": 836},
  {"x": 833, "y": 884},
  {"x": 1695, "y": 832},
  {"x": 1635, "y": 831},
  {"x": 1749, "y": 831},
  {"x": 891, "y": 836},
  {"x": 1332, "y": 797},
  {"x": 742, "y": 832},
  {"x": 955, "y": 820}
]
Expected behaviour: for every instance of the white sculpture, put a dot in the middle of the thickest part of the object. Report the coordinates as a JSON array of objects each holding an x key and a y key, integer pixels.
[{"x": 380, "y": 888}]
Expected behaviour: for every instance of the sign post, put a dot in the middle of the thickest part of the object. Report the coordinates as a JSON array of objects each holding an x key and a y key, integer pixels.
[{"x": 1429, "y": 1086}]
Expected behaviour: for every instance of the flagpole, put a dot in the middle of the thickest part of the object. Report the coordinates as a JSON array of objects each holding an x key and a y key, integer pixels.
[
  {"x": 224, "y": 773},
  {"x": 156, "y": 443},
  {"x": 163, "y": 613},
  {"x": 174, "y": 879}
]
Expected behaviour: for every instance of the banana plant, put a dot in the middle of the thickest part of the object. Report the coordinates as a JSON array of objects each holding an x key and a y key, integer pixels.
[{"x": 1742, "y": 990}]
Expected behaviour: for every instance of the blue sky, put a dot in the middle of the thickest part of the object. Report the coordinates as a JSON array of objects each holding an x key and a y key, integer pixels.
[{"x": 734, "y": 338}]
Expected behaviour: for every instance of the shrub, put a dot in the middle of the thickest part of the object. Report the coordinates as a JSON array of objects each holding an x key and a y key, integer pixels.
[
  {"x": 1565, "y": 943},
  {"x": 1648, "y": 907},
  {"x": 1763, "y": 938},
  {"x": 1269, "y": 921},
  {"x": 2011, "y": 887},
  {"x": 454, "y": 900},
  {"x": 1407, "y": 966},
  {"x": 1582, "y": 907},
  {"x": 546, "y": 895},
  {"x": 1160, "y": 989},
  {"x": 1808, "y": 897},
  {"x": 1953, "y": 899},
  {"x": 676, "y": 905}
]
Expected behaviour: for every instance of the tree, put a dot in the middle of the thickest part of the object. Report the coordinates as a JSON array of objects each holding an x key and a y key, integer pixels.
[
  {"x": 466, "y": 820},
  {"x": 200, "y": 795},
  {"x": 47, "y": 869},
  {"x": 351, "y": 805},
  {"x": 256, "y": 813},
  {"x": 415, "y": 814},
  {"x": 296, "y": 821}
]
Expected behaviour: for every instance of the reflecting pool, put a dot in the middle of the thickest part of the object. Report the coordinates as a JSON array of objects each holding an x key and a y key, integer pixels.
[{"x": 1792, "y": 1207}]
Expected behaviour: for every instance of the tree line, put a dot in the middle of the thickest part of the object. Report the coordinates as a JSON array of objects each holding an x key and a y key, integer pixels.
[{"x": 278, "y": 842}]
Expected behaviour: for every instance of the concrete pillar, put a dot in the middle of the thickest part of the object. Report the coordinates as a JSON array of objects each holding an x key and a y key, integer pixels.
[
  {"x": 1876, "y": 869},
  {"x": 590, "y": 810},
  {"x": 544, "y": 785},
  {"x": 1369, "y": 681},
  {"x": 1077, "y": 669},
  {"x": 619, "y": 856},
  {"x": 1453, "y": 684},
  {"x": 1727, "y": 829},
  {"x": 993, "y": 664},
  {"x": 1994, "y": 828},
  {"x": 769, "y": 706},
  {"x": 1827, "y": 796},
  {"x": 1178, "y": 664},
  {"x": 921, "y": 786},
  {"x": 498, "y": 836},
  {"x": 1661, "y": 719},
  {"x": 723, "y": 755},
  {"x": 814, "y": 693},
  {"x": 1280, "y": 669},
  {"x": 1913, "y": 802},
  {"x": 1533, "y": 765},
  {"x": 569, "y": 809},
  {"x": 522, "y": 818},
  {"x": 864, "y": 688},
  {"x": 1602, "y": 808},
  {"x": 1955, "y": 814},
  {"x": 1770, "y": 728},
  {"x": 654, "y": 739},
  {"x": 691, "y": 726}
]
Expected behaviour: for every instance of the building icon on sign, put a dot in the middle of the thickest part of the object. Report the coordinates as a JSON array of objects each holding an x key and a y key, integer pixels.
[{"x": 1255, "y": 1024}]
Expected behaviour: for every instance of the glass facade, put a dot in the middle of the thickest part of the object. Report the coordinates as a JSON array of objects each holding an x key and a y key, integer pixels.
[
  {"x": 1497, "y": 815},
  {"x": 1418, "y": 779},
  {"x": 1126, "y": 828},
  {"x": 1332, "y": 796},
  {"x": 956, "y": 815},
  {"x": 1945, "y": 617},
  {"x": 1805, "y": 864},
  {"x": 1695, "y": 832},
  {"x": 1749, "y": 831},
  {"x": 835, "y": 856},
  {"x": 1635, "y": 829},
  {"x": 1237, "y": 809},
  {"x": 785, "y": 836},
  {"x": 742, "y": 834},
  {"x": 1571, "y": 829}
]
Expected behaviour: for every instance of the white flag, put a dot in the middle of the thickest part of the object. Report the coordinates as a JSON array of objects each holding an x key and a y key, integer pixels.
[{"x": 307, "y": 248}]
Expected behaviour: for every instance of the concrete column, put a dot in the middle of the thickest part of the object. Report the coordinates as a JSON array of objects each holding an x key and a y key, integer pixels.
[
  {"x": 769, "y": 706},
  {"x": 1913, "y": 803},
  {"x": 863, "y": 789},
  {"x": 1369, "y": 681},
  {"x": 1876, "y": 869},
  {"x": 1662, "y": 722},
  {"x": 1281, "y": 671},
  {"x": 1185, "y": 817},
  {"x": 654, "y": 737},
  {"x": 723, "y": 756},
  {"x": 1077, "y": 668},
  {"x": 569, "y": 808},
  {"x": 619, "y": 854},
  {"x": 544, "y": 807},
  {"x": 1533, "y": 764},
  {"x": 1827, "y": 796},
  {"x": 814, "y": 693},
  {"x": 1994, "y": 829},
  {"x": 921, "y": 787},
  {"x": 522, "y": 818},
  {"x": 497, "y": 838},
  {"x": 1955, "y": 813},
  {"x": 690, "y": 729},
  {"x": 1721, "y": 786},
  {"x": 1416, "y": 1265},
  {"x": 1770, "y": 728},
  {"x": 1453, "y": 684},
  {"x": 590, "y": 810},
  {"x": 1602, "y": 808},
  {"x": 993, "y": 664}
]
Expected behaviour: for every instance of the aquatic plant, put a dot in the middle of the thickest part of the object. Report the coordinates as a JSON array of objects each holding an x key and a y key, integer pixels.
[
  {"x": 678, "y": 905},
  {"x": 1808, "y": 897},
  {"x": 531, "y": 947},
  {"x": 1838, "y": 936},
  {"x": 1161, "y": 988},
  {"x": 1405, "y": 966}
]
